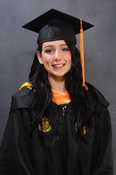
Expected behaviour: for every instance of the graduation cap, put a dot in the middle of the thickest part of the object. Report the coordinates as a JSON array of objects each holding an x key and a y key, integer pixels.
[{"x": 56, "y": 25}]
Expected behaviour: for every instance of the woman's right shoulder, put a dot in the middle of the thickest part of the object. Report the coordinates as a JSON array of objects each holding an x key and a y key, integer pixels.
[
  {"x": 23, "y": 89},
  {"x": 23, "y": 96}
]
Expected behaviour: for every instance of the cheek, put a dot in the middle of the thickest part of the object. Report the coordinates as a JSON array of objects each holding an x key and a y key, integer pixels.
[
  {"x": 69, "y": 58},
  {"x": 69, "y": 62},
  {"x": 46, "y": 62},
  {"x": 46, "y": 57}
]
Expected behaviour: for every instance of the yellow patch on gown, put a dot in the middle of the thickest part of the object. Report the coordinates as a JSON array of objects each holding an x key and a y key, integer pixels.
[
  {"x": 27, "y": 85},
  {"x": 45, "y": 125}
]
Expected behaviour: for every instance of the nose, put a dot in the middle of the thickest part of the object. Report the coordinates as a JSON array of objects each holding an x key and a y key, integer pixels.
[{"x": 57, "y": 55}]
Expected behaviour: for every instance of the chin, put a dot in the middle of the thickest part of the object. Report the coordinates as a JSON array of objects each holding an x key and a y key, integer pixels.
[{"x": 61, "y": 72}]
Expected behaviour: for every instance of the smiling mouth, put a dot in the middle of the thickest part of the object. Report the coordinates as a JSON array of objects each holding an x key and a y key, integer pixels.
[{"x": 58, "y": 65}]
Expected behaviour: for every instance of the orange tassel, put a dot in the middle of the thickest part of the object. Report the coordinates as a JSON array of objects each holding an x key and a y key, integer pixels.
[{"x": 82, "y": 53}]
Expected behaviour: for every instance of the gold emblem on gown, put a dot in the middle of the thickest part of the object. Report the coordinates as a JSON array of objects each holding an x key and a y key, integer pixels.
[
  {"x": 45, "y": 125},
  {"x": 84, "y": 131}
]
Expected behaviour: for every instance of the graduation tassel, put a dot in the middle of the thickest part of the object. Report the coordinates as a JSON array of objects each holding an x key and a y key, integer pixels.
[{"x": 82, "y": 54}]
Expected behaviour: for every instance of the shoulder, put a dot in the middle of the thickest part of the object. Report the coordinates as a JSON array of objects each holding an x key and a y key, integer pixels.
[
  {"x": 24, "y": 89},
  {"x": 96, "y": 96},
  {"x": 23, "y": 96},
  {"x": 99, "y": 106},
  {"x": 95, "y": 102},
  {"x": 30, "y": 96}
]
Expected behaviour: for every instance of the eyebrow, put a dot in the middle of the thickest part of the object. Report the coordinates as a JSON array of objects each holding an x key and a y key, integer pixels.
[{"x": 53, "y": 45}]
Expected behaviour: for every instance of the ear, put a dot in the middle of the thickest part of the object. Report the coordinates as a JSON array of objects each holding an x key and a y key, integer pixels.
[{"x": 39, "y": 56}]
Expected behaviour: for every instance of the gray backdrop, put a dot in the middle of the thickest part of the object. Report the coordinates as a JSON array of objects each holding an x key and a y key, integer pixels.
[{"x": 17, "y": 47}]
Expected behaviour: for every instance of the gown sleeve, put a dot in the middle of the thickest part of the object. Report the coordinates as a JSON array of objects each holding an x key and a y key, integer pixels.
[
  {"x": 102, "y": 151},
  {"x": 8, "y": 147}
]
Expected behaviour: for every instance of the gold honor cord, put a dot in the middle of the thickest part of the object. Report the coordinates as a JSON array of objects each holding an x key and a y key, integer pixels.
[
  {"x": 82, "y": 52},
  {"x": 27, "y": 85}
]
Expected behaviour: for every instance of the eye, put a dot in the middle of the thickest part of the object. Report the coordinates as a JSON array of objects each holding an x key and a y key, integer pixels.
[
  {"x": 48, "y": 50},
  {"x": 65, "y": 49}
]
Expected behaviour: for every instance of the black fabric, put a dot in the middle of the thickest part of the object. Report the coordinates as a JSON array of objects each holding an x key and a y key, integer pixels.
[
  {"x": 79, "y": 142},
  {"x": 56, "y": 30},
  {"x": 53, "y": 144}
]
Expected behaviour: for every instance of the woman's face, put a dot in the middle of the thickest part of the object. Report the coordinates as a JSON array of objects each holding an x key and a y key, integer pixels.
[{"x": 56, "y": 58}]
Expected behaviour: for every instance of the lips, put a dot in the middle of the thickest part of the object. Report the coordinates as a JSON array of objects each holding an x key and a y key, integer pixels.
[{"x": 59, "y": 65}]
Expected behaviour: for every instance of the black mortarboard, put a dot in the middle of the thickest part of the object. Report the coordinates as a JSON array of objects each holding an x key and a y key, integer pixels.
[{"x": 55, "y": 25}]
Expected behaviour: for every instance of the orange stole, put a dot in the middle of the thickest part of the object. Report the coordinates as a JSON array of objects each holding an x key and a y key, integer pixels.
[{"x": 60, "y": 97}]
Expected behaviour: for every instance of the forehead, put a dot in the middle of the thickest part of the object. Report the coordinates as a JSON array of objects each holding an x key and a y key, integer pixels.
[{"x": 54, "y": 43}]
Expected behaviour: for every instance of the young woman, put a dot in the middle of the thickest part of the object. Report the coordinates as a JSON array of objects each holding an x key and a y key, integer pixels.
[{"x": 56, "y": 125}]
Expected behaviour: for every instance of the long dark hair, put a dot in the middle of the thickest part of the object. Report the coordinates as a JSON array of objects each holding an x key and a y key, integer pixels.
[{"x": 73, "y": 79}]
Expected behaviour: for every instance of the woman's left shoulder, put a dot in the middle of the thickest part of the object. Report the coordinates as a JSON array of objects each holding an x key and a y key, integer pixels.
[
  {"x": 96, "y": 96},
  {"x": 99, "y": 107}
]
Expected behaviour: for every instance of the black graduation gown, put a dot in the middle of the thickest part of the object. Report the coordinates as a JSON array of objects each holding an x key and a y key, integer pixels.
[{"x": 76, "y": 142}]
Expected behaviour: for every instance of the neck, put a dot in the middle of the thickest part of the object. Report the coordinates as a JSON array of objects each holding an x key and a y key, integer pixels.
[{"x": 57, "y": 83}]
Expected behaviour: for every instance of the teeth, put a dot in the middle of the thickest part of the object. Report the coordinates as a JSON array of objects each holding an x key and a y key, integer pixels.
[{"x": 58, "y": 65}]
